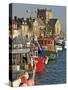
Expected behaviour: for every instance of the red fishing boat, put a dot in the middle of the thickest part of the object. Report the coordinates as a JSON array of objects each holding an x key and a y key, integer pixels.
[{"x": 39, "y": 62}]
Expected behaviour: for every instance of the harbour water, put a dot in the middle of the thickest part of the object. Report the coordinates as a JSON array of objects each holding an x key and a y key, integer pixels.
[{"x": 56, "y": 71}]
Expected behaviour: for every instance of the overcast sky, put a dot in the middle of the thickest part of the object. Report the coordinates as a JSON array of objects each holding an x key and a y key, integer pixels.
[{"x": 19, "y": 9}]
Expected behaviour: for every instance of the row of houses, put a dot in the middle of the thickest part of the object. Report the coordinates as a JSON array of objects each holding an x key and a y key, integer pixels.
[{"x": 44, "y": 24}]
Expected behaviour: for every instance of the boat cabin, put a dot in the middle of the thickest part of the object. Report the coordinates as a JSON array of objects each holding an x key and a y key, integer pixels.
[
  {"x": 34, "y": 52},
  {"x": 47, "y": 43}
]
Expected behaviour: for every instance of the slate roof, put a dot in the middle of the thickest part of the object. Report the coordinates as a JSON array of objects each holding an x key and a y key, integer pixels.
[{"x": 52, "y": 22}]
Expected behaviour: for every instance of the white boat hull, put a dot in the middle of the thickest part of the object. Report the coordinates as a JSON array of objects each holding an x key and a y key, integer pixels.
[{"x": 59, "y": 48}]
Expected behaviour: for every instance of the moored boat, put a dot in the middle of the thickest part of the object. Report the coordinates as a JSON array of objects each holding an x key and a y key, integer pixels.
[
  {"x": 52, "y": 55},
  {"x": 39, "y": 64},
  {"x": 24, "y": 80},
  {"x": 48, "y": 43},
  {"x": 59, "y": 48},
  {"x": 40, "y": 59}
]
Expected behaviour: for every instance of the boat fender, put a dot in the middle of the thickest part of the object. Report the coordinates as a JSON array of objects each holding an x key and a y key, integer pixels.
[{"x": 46, "y": 60}]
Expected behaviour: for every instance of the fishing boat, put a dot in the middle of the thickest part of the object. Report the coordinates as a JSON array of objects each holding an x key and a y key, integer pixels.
[
  {"x": 39, "y": 60},
  {"x": 58, "y": 48},
  {"x": 59, "y": 43},
  {"x": 24, "y": 80},
  {"x": 52, "y": 55},
  {"x": 23, "y": 73},
  {"x": 48, "y": 44}
]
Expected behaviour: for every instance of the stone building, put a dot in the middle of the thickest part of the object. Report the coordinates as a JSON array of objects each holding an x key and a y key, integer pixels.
[
  {"x": 38, "y": 27},
  {"x": 44, "y": 14},
  {"x": 24, "y": 28}
]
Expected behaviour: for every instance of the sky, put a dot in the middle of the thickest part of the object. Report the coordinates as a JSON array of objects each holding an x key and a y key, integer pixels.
[{"x": 19, "y": 10}]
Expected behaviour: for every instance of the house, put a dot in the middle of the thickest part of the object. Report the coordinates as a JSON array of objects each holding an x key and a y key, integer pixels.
[
  {"x": 24, "y": 28},
  {"x": 35, "y": 28},
  {"x": 14, "y": 24},
  {"x": 16, "y": 27},
  {"x": 19, "y": 27},
  {"x": 54, "y": 26},
  {"x": 38, "y": 27},
  {"x": 27, "y": 27}
]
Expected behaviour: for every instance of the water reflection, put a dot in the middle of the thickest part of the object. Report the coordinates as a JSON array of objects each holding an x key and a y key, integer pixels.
[{"x": 56, "y": 71}]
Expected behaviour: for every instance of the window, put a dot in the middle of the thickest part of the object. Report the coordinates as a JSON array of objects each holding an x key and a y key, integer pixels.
[
  {"x": 41, "y": 42},
  {"x": 45, "y": 42},
  {"x": 36, "y": 53},
  {"x": 51, "y": 42},
  {"x": 13, "y": 59},
  {"x": 48, "y": 42}
]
